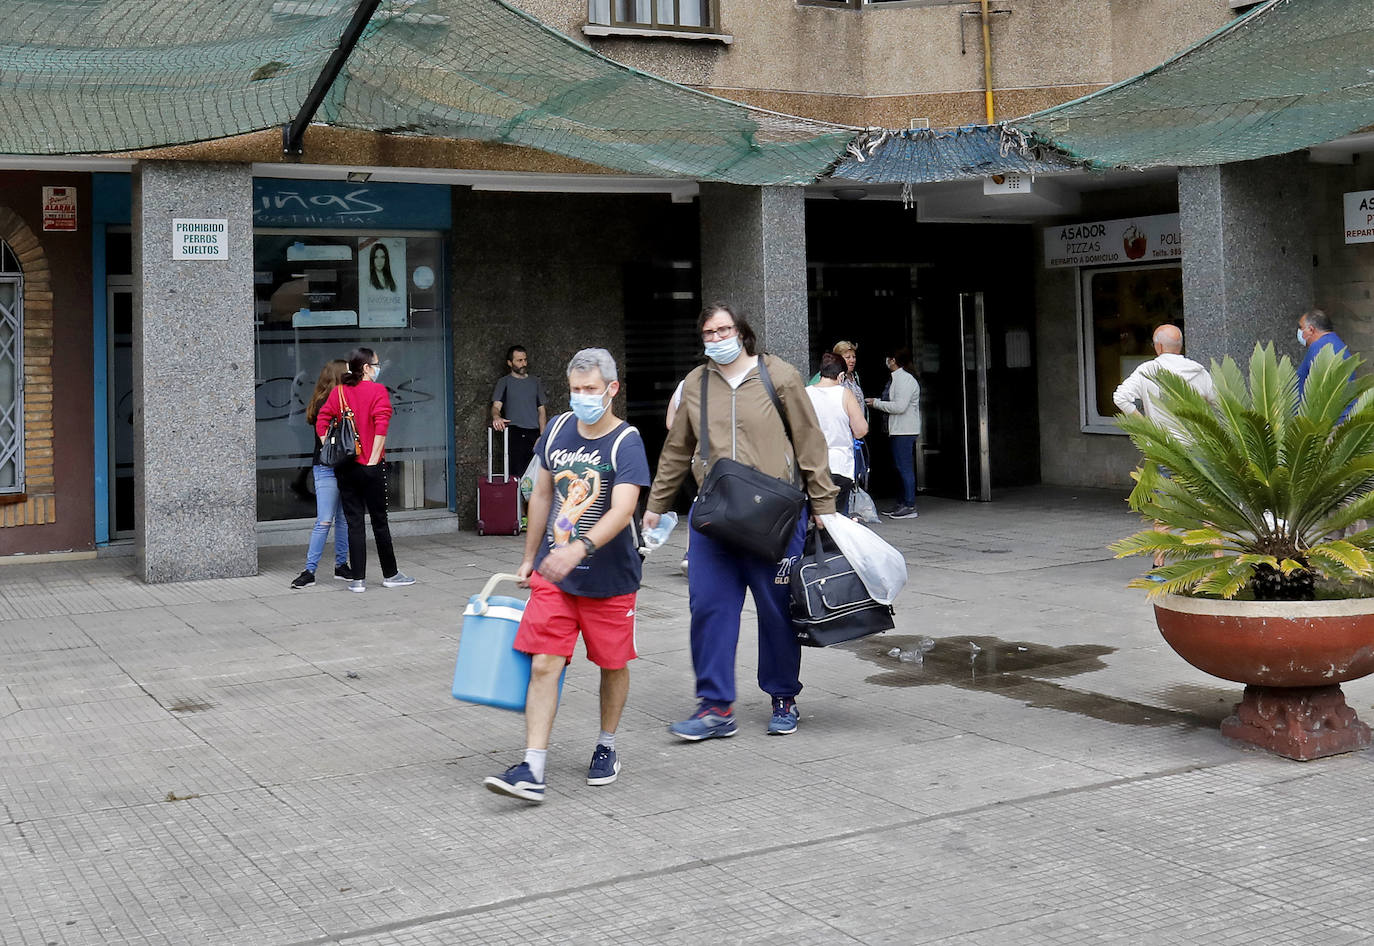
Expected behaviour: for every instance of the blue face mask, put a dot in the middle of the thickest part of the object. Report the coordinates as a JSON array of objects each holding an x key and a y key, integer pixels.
[
  {"x": 724, "y": 351},
  {"x": 588, "y": 408}
]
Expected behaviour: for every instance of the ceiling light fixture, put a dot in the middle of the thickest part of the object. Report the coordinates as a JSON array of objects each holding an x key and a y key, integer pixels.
[{"x": 358, "y": 177}]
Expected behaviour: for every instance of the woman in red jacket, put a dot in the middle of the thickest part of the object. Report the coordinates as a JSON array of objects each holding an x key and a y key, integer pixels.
[{"x": 362, "y": 482}]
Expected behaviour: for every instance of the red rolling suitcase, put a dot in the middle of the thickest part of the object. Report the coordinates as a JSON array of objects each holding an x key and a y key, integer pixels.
[{"x": 498, "y": 495}]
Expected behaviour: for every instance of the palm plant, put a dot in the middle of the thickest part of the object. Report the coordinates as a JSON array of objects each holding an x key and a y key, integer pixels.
[{"x": 1262, "y": 485}]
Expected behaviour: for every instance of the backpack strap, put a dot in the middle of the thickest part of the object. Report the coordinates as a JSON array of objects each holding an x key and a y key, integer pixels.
[
  {"x": 557, "y": 426},
  {"x": 615, "y": 447}
]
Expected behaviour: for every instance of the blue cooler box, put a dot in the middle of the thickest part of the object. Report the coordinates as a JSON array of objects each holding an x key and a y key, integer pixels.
[{"x": 490, "y": 670}]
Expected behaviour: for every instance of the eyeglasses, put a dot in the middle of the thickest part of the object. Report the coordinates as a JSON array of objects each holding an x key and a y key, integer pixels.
[{"x": 717, "y": 334}]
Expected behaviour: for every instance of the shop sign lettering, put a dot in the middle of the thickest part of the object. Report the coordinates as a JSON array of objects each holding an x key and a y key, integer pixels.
[
  {"x": 1359, "y": 217},
  {"x": 278, "y": 202},
  {"x": 1132, "y": 239}
]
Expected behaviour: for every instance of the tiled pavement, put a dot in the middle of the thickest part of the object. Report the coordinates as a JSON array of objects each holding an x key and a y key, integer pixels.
[{"x": 232, "y": 762}]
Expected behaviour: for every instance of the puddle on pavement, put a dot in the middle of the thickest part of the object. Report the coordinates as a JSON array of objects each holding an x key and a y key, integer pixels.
[
  {"x": 190, "y": 706},
  {"x": 1016, "y": 670}
]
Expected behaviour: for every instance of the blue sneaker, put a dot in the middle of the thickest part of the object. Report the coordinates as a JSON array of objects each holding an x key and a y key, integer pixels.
[
  {"x": 709, "y": 722},
  {"x": 517, "y": 781},
  {"x": 604, "y": 768},
  {"x": 785, "y": 716}
]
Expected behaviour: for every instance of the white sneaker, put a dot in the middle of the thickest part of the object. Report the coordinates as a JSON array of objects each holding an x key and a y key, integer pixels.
[
  {"x": 357, "y": 586},
  {"x": 397, "y": 580}
]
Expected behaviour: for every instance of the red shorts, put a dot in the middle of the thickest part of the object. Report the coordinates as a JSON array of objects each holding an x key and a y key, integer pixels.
[{"x": 553, "y": 619}]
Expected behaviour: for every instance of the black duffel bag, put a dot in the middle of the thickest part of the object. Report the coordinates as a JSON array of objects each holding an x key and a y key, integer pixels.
[
  {"x": 829, "y": 601},
  {"x": 741, "y": 506}
]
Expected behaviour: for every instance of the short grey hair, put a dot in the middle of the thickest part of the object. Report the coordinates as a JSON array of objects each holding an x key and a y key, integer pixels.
[
  {"x": 594, "y": 358},
  {"x": 1319, "y": 320}
]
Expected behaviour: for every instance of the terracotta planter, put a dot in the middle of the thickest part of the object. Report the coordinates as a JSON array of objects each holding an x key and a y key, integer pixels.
[{"x": 1291, "y": 655}]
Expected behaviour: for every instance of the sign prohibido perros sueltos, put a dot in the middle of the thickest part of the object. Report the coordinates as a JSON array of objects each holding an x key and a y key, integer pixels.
[{"x": 200, "y": 239}]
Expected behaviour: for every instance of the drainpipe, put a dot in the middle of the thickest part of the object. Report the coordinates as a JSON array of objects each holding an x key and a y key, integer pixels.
[{"x": 987, "y": 63}]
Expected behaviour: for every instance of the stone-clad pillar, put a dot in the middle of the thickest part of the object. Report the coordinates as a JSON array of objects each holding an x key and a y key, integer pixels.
[
  {"x": 195, "y": 438},
  {"x": 1247, "y": 263},
  {"x": 753, "y": 256}
]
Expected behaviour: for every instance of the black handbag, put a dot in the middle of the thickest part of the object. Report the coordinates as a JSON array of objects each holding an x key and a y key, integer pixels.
[
  {"x": 742, "y": 507},
  {"x": 829, "y": 601},
  {"x": 341, "y": 437}
]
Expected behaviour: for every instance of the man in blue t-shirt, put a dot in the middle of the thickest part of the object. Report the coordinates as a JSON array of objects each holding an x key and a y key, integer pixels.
[
  {"x": 582, "y": 568},
  {"x": 1316, "y": 332}
]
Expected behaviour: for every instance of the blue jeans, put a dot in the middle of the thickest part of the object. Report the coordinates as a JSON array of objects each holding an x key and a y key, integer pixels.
[
  {"x": 328, "y": 511},
  {"x": 904, "y": 456},
  {"x": 717, "y": 577}
]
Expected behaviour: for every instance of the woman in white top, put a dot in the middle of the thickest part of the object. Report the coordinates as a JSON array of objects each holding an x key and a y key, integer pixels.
[{"x": 842, "y": 421}]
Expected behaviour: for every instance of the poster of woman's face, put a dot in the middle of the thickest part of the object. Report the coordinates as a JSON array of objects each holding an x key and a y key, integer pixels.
[{"x": 382, "y": 282}]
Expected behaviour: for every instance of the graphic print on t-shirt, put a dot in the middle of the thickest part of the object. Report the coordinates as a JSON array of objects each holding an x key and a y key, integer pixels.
[{"x": 576, "y": 491}]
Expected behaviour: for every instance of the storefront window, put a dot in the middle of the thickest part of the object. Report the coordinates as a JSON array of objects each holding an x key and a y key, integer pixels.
[
  {"x": 319, "y": 295},
  {"x": 1122, "y": 306}
]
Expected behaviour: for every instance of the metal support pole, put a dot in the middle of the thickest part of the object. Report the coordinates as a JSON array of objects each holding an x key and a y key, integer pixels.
[{"x": 293, "y": 135}]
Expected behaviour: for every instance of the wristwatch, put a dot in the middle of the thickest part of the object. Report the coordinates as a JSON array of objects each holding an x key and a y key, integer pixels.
[{"x": 591, "y": 546}]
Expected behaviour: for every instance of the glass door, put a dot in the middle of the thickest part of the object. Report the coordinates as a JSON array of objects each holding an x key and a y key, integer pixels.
[{"x": 119, "y": 315}]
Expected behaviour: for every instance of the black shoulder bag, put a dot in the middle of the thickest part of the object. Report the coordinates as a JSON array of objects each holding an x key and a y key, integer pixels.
[
  {"x": 740, "y": 506},
  {"x": 340, "y": 444}
]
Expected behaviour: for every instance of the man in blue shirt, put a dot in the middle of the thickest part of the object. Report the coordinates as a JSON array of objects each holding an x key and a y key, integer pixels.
[{"x": 1315, "y": 332}]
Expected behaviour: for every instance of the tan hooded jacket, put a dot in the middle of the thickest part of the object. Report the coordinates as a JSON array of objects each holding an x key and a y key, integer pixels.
[{"x": 745, "y": 426}]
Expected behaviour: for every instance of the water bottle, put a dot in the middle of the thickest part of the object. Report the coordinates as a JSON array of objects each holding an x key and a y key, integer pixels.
[{"x": 656, "y": 536}]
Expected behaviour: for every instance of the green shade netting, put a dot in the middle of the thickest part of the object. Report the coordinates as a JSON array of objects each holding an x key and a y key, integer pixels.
[
  {"x": 82, "y": 76},
  {"x": 1287, "y": 75}
]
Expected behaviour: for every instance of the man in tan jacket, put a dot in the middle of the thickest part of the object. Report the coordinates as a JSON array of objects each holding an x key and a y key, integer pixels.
[{"x": 744, "y": 424}]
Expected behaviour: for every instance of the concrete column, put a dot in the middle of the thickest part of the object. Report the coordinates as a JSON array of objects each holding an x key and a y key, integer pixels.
[
  {"x": 1247, "y": 265},
  {"x": 195, "y": 438},
  {"x": 753, "y": 256}
]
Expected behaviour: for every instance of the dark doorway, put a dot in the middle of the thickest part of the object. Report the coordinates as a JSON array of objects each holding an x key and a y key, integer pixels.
[{"x": 929, "y": 287}]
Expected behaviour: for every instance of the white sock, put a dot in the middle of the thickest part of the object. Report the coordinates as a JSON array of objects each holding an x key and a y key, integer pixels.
[
  {"x": 535, "y": 759},
  {"x": 606, "y": 739}
]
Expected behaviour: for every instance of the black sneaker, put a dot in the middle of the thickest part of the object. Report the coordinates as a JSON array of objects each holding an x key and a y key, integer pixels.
[
  {"x": 304, "y": 580},
  {"x": 343, "y": 573}
]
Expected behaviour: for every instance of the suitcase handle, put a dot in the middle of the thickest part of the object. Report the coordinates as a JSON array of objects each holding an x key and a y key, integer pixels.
[
  {"x": 505, "y": 454},
  {"x": 492, "y": 582}
]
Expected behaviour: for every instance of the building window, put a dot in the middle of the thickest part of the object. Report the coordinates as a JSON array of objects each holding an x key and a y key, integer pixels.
[
  {"x": 1122, "y": 306},
  {"x": 11, "y": 372},
  {"x": 688, "y": 15},
  {"x": 321, "y": 293}
]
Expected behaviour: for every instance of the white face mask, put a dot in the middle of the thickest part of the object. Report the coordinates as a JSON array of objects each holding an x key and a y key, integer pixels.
[
  {"x": 725, "y": 350},
  {"x": 376, "y": 372},
  {"x": 1301, "y": 340}
]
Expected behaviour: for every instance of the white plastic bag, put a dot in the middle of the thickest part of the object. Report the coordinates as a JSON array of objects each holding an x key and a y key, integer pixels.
[
  {"x": 879, "y": 566},
  {"x": 527, "y": 480},
  {"x": 862, "y": 507}
]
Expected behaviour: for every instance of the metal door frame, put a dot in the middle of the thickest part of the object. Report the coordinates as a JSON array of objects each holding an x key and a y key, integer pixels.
[{"x": 980, "y": 368}]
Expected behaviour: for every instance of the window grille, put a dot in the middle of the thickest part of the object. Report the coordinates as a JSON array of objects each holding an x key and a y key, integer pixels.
[
  {"x": 690, "y": 15},
  {"x": 11, "y": 372}
]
